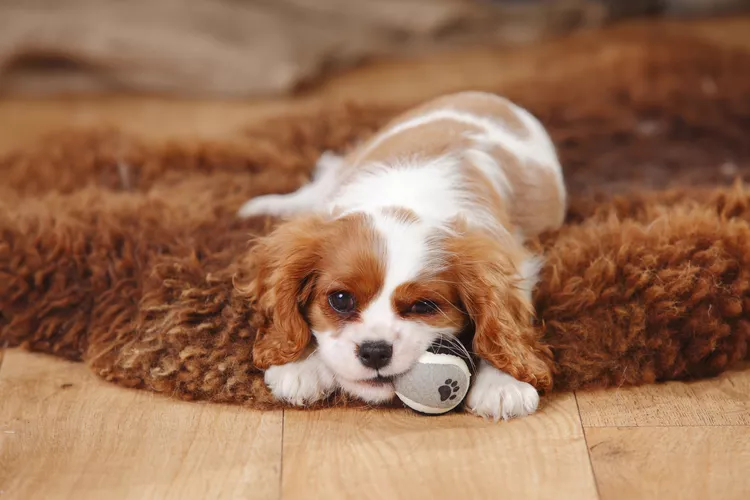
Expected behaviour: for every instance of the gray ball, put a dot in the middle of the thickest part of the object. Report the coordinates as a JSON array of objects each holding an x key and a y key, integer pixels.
[{"x": 437, "y": 383}]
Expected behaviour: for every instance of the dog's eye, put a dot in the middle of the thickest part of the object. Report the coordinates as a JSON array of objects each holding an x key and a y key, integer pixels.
[
  {"x": 423, "y": 307},
  {"x": 342, "y": 302}
]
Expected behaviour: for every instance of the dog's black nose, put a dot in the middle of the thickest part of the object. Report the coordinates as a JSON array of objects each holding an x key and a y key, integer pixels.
[{"x": 375, "y": 354}]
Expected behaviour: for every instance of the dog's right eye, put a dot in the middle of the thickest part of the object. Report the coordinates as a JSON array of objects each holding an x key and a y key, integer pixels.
[
  {"x": 342, "y": 302},
  {"x": 424, "y": 307}
]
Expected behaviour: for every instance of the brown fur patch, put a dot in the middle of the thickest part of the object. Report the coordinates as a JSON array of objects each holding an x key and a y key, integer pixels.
[
  {"x": 286, "y": 262},
  {"x": 442, "y": 290},
  {"x": 354, "y": 262},
  {"x": 298, "y": 265},
  {"x": 486, "y": 271},
  {"x": 538, "y": 202},
  {"x": 493, "y": 108},
  {"x": 479, "y": 187},
  {"x": 426, "y": 141}
]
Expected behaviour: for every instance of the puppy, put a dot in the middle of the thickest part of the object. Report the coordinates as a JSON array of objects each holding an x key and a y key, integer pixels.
[{"x": 415, "y": 235}]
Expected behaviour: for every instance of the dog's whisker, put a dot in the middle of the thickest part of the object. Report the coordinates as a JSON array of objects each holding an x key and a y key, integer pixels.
[{"x": 457, "y": 347}]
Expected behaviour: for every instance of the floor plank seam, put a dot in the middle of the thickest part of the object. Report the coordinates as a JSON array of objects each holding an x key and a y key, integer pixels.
[
  {"x": 588, "y": 451},
  {"x": 3, "y": 348}
]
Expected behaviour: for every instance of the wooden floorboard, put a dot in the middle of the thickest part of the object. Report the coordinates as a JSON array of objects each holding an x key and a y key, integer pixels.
[
  {"x": 397, "y": 454},
  {"x": 671, "y": 462},
  {"x": 721, "y": 401},
  {"x": 66, "y": 434}
]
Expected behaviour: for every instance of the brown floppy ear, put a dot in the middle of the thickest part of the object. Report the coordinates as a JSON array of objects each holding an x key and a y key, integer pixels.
[
  {"x": 283, "y": 264},
  {"x": 495, "y": 277}
]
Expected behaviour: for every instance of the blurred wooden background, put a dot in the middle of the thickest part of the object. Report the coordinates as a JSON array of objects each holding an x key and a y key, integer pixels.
[{"x": 253, "y": 48}]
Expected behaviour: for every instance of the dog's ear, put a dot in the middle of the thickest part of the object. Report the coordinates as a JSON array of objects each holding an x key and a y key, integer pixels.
[
  {"x": 281, "y": 276},
  {"x": 495, "y": 276}
]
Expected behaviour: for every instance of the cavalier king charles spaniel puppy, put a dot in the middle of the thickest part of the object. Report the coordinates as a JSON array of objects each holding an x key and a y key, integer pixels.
[{"x": 415, "y": 235}]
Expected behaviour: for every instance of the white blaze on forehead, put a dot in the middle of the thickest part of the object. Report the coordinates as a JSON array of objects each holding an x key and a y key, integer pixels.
[{"x": 407, "y": 252}]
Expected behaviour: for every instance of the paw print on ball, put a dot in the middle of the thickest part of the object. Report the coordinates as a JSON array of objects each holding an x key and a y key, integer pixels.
[{"x": 448, "y": 390}]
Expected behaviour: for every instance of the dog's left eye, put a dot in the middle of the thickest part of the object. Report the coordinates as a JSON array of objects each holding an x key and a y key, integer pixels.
[
  {"x": 342, "y": 302},
  {"x": 423, "y": 307}
]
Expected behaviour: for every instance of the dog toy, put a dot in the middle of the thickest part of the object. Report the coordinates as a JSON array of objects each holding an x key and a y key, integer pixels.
[{"x": 438, "y": 382}]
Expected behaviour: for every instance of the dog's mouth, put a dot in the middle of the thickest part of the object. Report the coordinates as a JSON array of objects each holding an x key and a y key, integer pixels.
[{"x": 378, "y": 381}]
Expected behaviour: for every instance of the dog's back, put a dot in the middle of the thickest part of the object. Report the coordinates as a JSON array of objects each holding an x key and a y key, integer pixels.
[{"x": 501, "y": 154}]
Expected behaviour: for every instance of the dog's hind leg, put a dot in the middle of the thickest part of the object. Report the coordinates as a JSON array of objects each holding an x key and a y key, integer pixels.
[{"x": 305, "y": 199}]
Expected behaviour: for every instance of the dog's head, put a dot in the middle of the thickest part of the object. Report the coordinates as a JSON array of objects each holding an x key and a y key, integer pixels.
[{"x": 374, "y": 291}]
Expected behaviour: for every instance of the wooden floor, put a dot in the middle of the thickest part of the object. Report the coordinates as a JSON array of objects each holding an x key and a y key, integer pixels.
[{"x": 66, "y": 434}]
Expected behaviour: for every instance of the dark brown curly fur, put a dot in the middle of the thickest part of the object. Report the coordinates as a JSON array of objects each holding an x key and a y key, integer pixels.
[{"x": 122, "y": 254}]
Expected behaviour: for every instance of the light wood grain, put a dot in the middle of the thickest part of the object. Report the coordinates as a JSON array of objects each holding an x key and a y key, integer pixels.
[
  {"x": 722, "y": 401},
  {"x": 671, "y": 463},
  {"x": 65, "y": 434},
  {"x": 397, "y": 454}
]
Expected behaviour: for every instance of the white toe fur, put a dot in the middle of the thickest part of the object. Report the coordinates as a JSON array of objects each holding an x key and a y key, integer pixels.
[
  {"x": 327, "y": 162},
  {"x": 495, "y": 395},
  {"x": 300, "y": 383},
  {"x": 272, "y": 204}
]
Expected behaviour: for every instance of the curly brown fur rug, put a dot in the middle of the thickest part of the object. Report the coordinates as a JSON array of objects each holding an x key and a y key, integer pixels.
[{"x": 122, "y": 254}]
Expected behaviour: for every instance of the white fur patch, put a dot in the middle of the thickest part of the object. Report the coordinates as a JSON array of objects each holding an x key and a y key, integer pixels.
[
  {"x": 414, "y": 184},
  {"x": 495, "y": 395},
  {"x": 301, "y": 382},
  {"x": 528, "y": 274},
  {"x": 407, "y": 250}
]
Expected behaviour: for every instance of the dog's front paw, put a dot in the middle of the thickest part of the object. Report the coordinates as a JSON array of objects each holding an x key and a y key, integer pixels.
[
  {"x": 496, "y": 395},
  {"x": 300, "y": 383}
]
